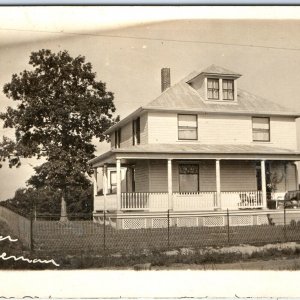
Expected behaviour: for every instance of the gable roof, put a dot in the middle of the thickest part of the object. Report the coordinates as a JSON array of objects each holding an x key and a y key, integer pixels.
[{"x": 181, "y": 97}]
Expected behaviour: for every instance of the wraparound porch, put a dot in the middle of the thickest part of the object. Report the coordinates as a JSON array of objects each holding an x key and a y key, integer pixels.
[
  {"x": 197, "y": 201},
  {"x": 183, "y": 178},
  {"x": 182, "y": 181}
]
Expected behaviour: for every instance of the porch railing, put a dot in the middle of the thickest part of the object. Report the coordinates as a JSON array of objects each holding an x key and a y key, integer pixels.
[
  {"x": 144, "y": 201},
  {"x": 181, "y": 201},
  {"x": 132, "y": 201},
  {"x": 194, "y": 201},
  {"x": 241, "y": 200}
]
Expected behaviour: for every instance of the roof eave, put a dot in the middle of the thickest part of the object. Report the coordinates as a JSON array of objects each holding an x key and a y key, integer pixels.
[
  {"x": 207, "y": 74},
  {"x": 124, "y": 121},
  {"x": 251, "y": 113},
  {"x": 99, "y": 158}
]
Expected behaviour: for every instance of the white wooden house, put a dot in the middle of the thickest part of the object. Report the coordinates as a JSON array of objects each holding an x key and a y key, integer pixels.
[{"x": 203, "y": 145}]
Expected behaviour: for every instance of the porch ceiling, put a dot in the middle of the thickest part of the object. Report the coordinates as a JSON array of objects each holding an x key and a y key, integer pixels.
[{"x": 197, "y": 151}]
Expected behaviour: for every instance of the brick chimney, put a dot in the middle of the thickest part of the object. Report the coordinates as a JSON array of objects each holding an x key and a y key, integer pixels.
[{"x": 165, "y": 79}]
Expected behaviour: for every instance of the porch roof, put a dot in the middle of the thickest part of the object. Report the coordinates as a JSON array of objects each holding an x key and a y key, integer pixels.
[{"x": 200, "y": 151}]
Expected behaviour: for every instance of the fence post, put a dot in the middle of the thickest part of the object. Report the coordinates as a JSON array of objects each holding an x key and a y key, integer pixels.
[
  {"x": 31, "y": 232},
  {"x": 228, "y": 227},
  {"x": 168, "y": 228},
  {"x": 104, "y": 231},
  {"x": 284, "y": 222}
]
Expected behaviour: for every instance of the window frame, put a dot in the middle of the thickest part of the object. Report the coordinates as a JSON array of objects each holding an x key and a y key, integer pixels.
[
  {"x": 136, "y": 131},
  {"x": 179, "y": 177},
  {"x": 178, "y": 127},
  {"x": 118, "y": 138},
  {"x": 217, "y": 80},
  {"x": 111, "y": 173},
  {"x": 227, "y": 99},
  {"x": 269, "y": 129}
]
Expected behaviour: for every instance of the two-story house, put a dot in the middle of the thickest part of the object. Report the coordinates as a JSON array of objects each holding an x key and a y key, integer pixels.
[{"x": 203, "y": 145}]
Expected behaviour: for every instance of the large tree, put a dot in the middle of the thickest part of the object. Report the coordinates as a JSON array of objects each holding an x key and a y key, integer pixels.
[
  {"x": 60, "y": 108},
  {"x": 8, "y": 151}
]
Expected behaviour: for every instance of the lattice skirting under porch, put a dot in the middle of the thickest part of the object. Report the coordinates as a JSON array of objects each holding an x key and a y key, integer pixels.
[{"x": 183, "y": 221}]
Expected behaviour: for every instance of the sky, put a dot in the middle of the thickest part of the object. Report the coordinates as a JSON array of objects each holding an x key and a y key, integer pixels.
[{"x": 128, "y": 46}]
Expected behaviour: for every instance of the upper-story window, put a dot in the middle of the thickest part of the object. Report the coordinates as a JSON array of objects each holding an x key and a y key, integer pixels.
[
  {"x": 228, "y": 89},
  {"x": 220, "y": 89},
  {"x": 118, "y": 138},
  {"x": 213, "y": 88},
  {"x": 187, "y": 127},
  {"x": 136, "y": 131},
  {"x": 261, "y": 129}
]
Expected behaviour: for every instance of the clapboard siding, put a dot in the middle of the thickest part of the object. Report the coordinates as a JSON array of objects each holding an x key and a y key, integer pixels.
[
  {"x": 238, "y": 176},
  {"x": 126, "y": 135},
  {"x": 283, "y": 132},
  {"x": 207, "y": 176},
  {"x": 142, "y": 176},
  {"x": 159, "y": 176},
  {"x": 152, "y": 176},
  {"x": 144, "y": 129},
  {"x": 221, "y": 129},
  {"x": 162, "y": 128},
  {"x": 112, "y": 140},
  {"x": 217, "y": 129},
  {"x": 235, "y": 176}
]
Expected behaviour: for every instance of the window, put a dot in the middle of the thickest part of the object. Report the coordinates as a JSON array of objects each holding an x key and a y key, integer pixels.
[
  {"x": 117, "y": 138},
  {"x": 261, "y": 129},
  {"x": 136, "y": 132},
  {"x": 228, "y": 89},
  {"x": 213, "y": 88},
  {"x": 188, "y": 178},
  {"x": 187, "y": 127}
]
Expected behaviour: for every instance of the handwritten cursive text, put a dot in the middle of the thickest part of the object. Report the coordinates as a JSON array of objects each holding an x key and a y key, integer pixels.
[
  {"x": 31, "y": 261},
  {"x": 8, "y": 237}
]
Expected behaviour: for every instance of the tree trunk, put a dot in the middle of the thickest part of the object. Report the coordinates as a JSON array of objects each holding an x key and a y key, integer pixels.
[{"x": 63, "y": 209}]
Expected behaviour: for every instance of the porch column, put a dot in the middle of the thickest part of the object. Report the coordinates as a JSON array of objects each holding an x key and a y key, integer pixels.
[
  {"x": 104, "y": 184},
  {"x": 95, "y": 185},
  {"x": 170, "y": 189},
  {"x": 118, "y": 167},
  {"x": 218, "y": 183},
  {"x": 263, "y": 183}
]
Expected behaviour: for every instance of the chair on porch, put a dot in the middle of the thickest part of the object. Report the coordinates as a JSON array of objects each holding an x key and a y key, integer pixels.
[{"x": 247, "y": 200}]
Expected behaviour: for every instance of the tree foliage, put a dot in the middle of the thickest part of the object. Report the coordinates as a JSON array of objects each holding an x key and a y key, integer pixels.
[
  {"x": 8, "y": 151},
  {"x": 45, "y": 202},
  {"x": 61, "y": 107}
]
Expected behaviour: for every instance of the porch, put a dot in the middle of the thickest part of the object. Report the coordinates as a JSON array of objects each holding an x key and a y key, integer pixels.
[
  {"x": 188, "y": 201},
  {"x": 193, "y": 178}
]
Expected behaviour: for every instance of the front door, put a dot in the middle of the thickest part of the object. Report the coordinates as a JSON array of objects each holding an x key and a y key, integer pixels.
[{"x": 188, "y": 178}]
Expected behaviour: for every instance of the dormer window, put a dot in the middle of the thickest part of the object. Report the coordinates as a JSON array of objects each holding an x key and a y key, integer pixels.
[
  {"x": 228, "y": 89},
  {"x": 220, "y": 89},
  {"x": 216, "y": 84},
  {"x": 213, "y": 88}
]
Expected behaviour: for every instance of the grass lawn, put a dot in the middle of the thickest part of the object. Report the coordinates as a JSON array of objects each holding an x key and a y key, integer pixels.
[
  {"x": 88, "y": 236},
  {"x": 79, "y": 245}
]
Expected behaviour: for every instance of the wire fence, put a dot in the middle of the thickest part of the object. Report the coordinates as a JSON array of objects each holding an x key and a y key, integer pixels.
[{"x": 131, "y": 232}]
